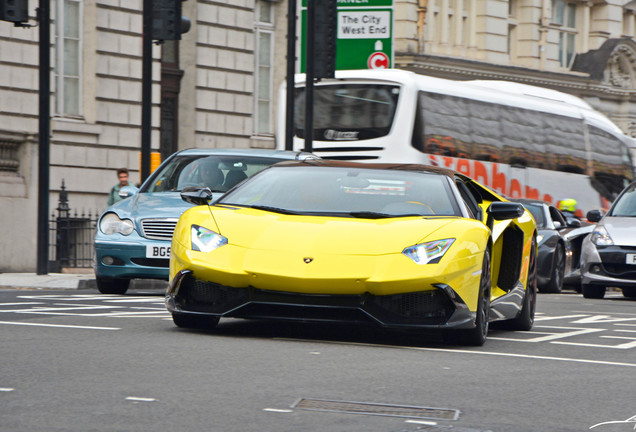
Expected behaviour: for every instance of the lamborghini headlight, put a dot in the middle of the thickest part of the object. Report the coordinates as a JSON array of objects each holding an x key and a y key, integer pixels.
[
  {"x": 113, "y": 224},
  {"x": 600, "y": 237},
  {"x": 429, "y": 252},
  {"x": 205, "y": 240}
]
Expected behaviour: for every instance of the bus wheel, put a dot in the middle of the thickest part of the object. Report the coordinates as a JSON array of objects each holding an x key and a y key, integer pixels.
[{"x": 593, "y": 291}]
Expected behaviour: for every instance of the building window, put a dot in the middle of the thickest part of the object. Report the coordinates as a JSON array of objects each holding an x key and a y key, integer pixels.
[
  {"x": 564, "y": 16},
  {"x": 512, "y": 29},
  {"x": 512, "y": 36},
  {"x": 68, "y": 57},
  {"x": 263, "y": 93}
]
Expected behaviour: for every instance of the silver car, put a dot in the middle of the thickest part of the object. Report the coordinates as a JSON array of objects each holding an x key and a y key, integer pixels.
[{"x": 608, "y": 256}]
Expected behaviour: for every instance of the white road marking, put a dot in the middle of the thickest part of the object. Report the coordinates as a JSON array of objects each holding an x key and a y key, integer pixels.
[
  {"x": 551, "y": 336},
  {"x": 626, "y": 345},
  {"x": 546, "y": 318},
  {"x": 277, "y": 410},
  {"x": 122, "y": 313},
  {"x": 487, "y": 353},
  {"x": 134, "y": 301},
  {"x": 20, "y": 304},
  {"x": 601, "y": 319},
  {"x": 57, "y": 309},
  {"x": 6, "y": 389},
  {"x": 619, "y": 337},
  {"x": 613, "y": 313},
  {"x": 58, "y": 325},
  {"x": 140, "y": 399},
  {"x": 422, "y": 422}
]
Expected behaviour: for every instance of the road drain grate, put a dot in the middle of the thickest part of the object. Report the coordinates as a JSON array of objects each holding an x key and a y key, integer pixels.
[{"x": 377, "y": 409}]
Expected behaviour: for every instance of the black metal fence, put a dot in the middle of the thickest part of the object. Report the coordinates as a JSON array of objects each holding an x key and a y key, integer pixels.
[{"x": 71, "y": 236}]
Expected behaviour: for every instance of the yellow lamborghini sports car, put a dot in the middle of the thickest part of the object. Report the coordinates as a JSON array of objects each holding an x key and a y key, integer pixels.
[{"x": 401, "y": 246}]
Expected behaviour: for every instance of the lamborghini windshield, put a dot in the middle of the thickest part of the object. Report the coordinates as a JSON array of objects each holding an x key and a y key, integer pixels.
[{"x": 346, "y": 191}]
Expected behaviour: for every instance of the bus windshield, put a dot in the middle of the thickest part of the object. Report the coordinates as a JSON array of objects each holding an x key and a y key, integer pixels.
[{"x": 348, "y": 112}]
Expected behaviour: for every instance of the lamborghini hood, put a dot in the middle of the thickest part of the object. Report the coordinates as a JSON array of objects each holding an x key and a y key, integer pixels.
[{"x": 261, "y": 230}]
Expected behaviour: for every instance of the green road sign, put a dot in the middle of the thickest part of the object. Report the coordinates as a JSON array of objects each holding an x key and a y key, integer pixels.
[{"x": 365, "y": 34}]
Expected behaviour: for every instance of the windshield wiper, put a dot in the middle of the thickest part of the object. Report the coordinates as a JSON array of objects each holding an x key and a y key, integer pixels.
[
  {"x": 378, "y": 215},
  {"x": 274, "y": 209},
  {"x": 370, "y": 215}
]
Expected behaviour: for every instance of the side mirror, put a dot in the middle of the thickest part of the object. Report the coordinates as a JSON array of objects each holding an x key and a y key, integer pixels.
[
  {"x": 594, "y": 215},
  {"x": 503, "y": 210},
  {"x": 196, "y": 195},
  {"x": 127, "y": 191}
]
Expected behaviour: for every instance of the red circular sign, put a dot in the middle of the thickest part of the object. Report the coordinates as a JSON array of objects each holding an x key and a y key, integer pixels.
[{"x": 378, "y": 60}]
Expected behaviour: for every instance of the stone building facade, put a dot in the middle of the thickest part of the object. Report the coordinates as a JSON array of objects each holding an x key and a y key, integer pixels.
[{"x": 217, "y": 86}]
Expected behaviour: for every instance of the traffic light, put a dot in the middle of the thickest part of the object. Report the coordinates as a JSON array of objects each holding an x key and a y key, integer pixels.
[
  {"x": 15, "y": 11},
  {"x": 325, "y": 35},
  {"x": 167, "y": 21}
]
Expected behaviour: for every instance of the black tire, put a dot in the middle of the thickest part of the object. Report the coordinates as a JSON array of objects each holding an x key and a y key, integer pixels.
[
  {"x": 477, "y": 336},
  {"x": 593, "y": 291},
  {"x": 555, "y": 284},
  {"x": 525, "y": 320},
  {"x": 205, "y": 322},
  {"x": 112, "y": 285},
  {"x": 629, "y": 292}
]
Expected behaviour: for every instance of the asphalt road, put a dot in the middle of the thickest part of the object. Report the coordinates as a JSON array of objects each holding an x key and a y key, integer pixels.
[{"x": 81, "y": 361}]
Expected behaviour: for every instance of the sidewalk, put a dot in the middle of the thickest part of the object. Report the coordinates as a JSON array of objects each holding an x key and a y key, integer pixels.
[
  {"x": 48, "y": 281},
  {"x": 66, "y": 281}
]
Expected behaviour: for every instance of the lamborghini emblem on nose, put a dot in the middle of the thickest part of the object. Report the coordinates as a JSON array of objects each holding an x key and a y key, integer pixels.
[{"x": 307, "y": 260}]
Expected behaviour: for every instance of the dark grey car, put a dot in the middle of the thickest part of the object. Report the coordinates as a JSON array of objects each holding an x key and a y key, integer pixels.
[{"x": 559, "y": 239}]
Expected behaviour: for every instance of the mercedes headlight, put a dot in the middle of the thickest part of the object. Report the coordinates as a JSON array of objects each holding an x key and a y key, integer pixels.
[
  {"x": 205, "y": 240},
  {"x": 113, "y": 224},
  {"x": 429, "y": 252},
  {"x": 600, "y": 236}
]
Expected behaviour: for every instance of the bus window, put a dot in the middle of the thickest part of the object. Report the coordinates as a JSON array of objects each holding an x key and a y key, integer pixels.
[
  {"x": 566, "y": 143},
  {"x": 609, "y": 162},
  {"x": 523, "y": 138},
  {"x": 348, "y": 112},
  {"x": 444, "y": 125},
  {"x": 486, "y": 130}
]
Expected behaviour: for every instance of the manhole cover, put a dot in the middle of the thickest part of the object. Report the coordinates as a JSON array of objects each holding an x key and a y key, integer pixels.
[{"x": 377, "y": 409}]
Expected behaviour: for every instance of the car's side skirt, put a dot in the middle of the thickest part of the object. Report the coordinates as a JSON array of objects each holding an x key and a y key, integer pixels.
[{"x": 509, "y": 305}]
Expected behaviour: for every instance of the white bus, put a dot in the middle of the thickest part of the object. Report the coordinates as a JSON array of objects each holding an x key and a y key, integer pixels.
[{"x": 522, "y": 141}]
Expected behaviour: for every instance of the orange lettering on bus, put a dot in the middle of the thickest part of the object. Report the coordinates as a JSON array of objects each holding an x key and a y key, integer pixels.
[
  {"x": 480, "y": 174},
  {"x": 498, "y": 179},
  {"x": 515, "y": 188},
  {"x": 448, "y": 161},
  {"x": 532, "y": 193},
  {"x": 463, "y": 167}
]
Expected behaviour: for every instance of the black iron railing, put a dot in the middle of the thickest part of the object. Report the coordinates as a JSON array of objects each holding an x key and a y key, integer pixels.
[{"x": 71, "y": 236}]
